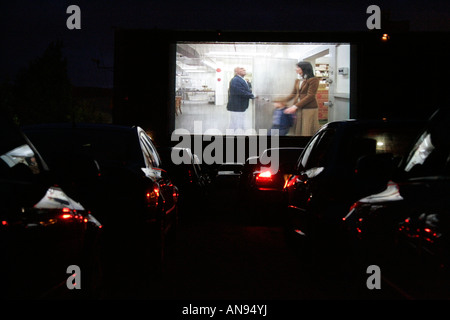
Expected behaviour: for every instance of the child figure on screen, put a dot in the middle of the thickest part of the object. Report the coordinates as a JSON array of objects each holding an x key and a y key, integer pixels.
[{"x": 281, "y": 121}]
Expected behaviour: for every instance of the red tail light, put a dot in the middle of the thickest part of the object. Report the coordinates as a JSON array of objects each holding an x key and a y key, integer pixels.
[
  {"x": 152, "y": 197},
  {"x": 67, "y": 213},
  {"x": 264, "y": 176}
]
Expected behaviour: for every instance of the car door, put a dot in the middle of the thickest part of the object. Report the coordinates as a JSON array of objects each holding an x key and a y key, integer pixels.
[
  {"x": 304, "y": 187},
  {"x": 311, "y": 164}
]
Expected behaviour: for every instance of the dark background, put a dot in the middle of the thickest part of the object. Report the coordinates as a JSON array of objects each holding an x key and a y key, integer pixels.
[{"x": 27, "y": 27}]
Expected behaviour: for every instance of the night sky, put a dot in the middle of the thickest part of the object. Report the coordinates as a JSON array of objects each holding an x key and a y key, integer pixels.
[{"x": 28, "y": 26}]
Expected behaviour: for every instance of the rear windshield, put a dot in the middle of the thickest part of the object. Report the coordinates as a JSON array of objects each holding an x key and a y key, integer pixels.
[
  {"x": 396, "y": 140},
  {"x": 107, "y": 147}
]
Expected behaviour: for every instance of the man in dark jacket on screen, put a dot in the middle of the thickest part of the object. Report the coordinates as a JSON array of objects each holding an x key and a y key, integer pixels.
[{"x": 239, "y": 94}]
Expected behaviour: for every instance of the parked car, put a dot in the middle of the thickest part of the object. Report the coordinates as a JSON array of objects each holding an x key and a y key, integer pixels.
[
  {"x": 43, "y": 230},
  {"x": 261, "y": 179},
  {"x": 327, "y": 179},
  {"x": 406, "y": 227},
  {"x": 187, "y": 174},
  {"x": 228, "y": 174},
  {"x": 117, "y": 172}
]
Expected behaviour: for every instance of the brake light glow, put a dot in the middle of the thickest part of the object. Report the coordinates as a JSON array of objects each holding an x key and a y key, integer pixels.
[
  {"x": 264, "y": 176},
  {"x": 152, "y": 197},
  {"x": 68, "y": 213}
]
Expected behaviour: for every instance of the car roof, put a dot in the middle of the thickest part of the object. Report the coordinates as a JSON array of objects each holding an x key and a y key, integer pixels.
[
  {"x": 284, "y": 148},
  {"x": 371, "y": 122},
  {"x": 68, "y": 126}
]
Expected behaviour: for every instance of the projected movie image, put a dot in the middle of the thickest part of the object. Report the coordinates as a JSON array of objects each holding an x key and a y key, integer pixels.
[{"x": 254, "y": 87}]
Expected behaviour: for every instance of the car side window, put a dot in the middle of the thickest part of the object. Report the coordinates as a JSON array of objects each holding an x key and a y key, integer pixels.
[
  {"x": 317, "y": 152},
  {"x": 146, "y": 152},
  {"x": 153, "y": 152},
  {"x": 304, "y": 159},
  {"x": 149, "y": 151}
]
